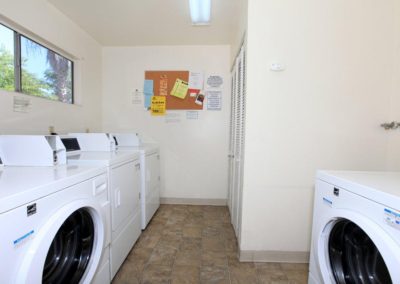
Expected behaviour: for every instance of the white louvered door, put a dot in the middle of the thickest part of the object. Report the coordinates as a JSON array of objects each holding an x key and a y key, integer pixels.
[{"x": 237, "y": 141}]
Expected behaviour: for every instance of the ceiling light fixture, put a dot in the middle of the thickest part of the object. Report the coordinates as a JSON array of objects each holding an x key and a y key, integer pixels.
[{"x": 200, "y": 12}]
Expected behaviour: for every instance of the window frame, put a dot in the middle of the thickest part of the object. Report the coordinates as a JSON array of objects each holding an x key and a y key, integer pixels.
[{"x": 18, "y": 65}]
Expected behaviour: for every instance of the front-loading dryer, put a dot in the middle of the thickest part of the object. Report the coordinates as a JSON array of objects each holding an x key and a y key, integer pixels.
[
  {"x": 54, "y": 225},
  {"x": 356, "y": 228},
  {"x": 123, "y": 170},
  {"x": 150, "y": 179}
]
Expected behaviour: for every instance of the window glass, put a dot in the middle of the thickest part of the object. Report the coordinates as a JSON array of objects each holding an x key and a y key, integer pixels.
[
  {"x": 7, "y": 59},
  {"x": 45, "y": 73}
]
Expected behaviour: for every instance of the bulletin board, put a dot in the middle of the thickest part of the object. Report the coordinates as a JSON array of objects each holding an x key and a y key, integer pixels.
[{"x": 172, "y": 103}]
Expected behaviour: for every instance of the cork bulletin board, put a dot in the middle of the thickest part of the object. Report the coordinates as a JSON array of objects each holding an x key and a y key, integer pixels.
[{"x": 164, "y": 81}]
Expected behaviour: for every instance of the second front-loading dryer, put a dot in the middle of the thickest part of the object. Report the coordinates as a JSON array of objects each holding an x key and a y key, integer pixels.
[
  {"x": 150, "y": 179},
  {"x": 123, "y": 170},
  {"x": 55, "y": 223}
]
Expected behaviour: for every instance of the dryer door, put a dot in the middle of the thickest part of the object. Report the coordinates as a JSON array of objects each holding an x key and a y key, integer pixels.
[
  {"x": 71, "y": 249},
  {"x": 353, "y": 249},
  {"x": 67, "y": 249}
]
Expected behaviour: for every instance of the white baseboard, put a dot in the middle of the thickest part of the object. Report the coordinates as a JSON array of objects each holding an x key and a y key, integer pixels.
[
  {"x": 193, "y": 201},
  {"x": 275, "y": 256}
]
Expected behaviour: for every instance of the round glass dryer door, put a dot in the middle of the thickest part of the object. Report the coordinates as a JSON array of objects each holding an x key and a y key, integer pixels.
[
  {"x": 70, "y": 251},
  {"x": 353, "y": 256}
]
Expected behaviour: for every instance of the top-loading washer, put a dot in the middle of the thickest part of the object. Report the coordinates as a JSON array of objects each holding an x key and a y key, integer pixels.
[
  {"x": 55, "y": 223},
  {"x": 124, "y": 184},
  {"x": 356, "y": 228},
  {"x": 150, "y": 171}
]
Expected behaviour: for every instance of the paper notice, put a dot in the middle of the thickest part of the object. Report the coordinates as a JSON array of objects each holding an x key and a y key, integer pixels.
[
  {"x": 214, "y": 100},
  {"x": 136, "y": 97},
  {"x": 180, "y": 89},
  {"x": 163, "y": 85},
  {"x": 196, "y": 80},
  {"x": 215, "y": 81},
  {"x": 173, "y": 117},
  {"x": 148, "y": 93},
  {"x": 21, "y": 104},
  {"x": 191, "y": 114},
  {"x": 158, "y": 105}
]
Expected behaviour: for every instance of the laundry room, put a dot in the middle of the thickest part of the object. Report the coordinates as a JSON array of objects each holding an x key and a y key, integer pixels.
[{"x": 200, "y": 141}]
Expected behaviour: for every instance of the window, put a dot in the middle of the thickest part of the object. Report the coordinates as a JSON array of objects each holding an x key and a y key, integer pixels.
[
  {"x": 33, "y": 69},
  {"x": 7, "y": 78}
]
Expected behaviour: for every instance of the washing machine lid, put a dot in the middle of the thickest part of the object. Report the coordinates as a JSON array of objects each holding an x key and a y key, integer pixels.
[
  {"x": 101, "y": 158},
  {"x": 21, "y": 185},
  {"x": 381, "y": 187},
  {"x": 145, "y": 149}
]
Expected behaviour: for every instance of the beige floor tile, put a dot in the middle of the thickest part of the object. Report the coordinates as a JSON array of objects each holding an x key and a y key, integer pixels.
[
  {"x": 212, "y": 244},
  {"x": 192, "y": 231},
  {"x": 214, "y": 258},
  {"x": 191, "y": 244},
  {"x": 269, "y": 276},
  {"x": 149, "y": 241},
  {"x": 188, "y": 258},
  {"x": 214, "y": 275},
  {"x": 182, "y": 274},
  {"x": 127, "y": 274},
  {"x": 268, "y": 266},
  {"x": 154, "y": 274},
  {"x": 297, "y": 277},
  {"x": 138, "y": 257},
  {"x": 162, "y": 256},
  {"x": 294, "y": 266},
  {"x": 243, "y": 275}
]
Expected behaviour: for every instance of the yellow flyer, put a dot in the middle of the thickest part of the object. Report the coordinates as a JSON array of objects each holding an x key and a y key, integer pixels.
[
  {"x": 158, "y": 105},
  {"x": 180, "y": 89}
]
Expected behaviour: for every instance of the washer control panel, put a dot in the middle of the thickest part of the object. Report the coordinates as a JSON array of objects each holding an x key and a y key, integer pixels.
[{"x": 392, "y": 218}]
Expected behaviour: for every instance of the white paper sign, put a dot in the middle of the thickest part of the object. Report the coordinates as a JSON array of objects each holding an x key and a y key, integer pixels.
[
  {"x": 21, "y": 104},
  {"x": 215, "y": 81},
  {"x": 172, "y": 117},
  {"x": 192, "y": 114},
  {"x": 137, "y": 97},
  {"x": 196, "y": 80},
  {"x": 214, "y": 100}
]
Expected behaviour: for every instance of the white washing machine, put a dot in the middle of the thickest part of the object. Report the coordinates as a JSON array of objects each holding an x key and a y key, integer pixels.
[
  {"x": 54, "y": 225},
  {"x": 124, "y": 182},
  {"x": 150, "y": 171},
  {"x": 150, "y": 179},
  {"x": 356, "y": 228}
]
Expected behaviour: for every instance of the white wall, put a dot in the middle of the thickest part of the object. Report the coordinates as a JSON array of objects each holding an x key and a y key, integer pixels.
[
  {"x": 322, "y": 112},
  {"x": 240, "y": 31},
  {"x": 194, "y": 152},
  {"x": 41, "y": 19},
  {"x": 394, "y": 136}
]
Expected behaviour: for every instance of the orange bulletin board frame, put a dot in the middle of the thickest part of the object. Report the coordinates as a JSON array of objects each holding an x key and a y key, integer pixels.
[{"x": 173, "y": 103}]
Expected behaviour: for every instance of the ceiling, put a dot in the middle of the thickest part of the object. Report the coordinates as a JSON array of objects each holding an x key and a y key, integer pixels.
[{"x": 151, "y": 22}]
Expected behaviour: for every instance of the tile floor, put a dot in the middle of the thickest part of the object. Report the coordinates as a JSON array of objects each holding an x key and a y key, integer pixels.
[{"x": 197, "y": 244}]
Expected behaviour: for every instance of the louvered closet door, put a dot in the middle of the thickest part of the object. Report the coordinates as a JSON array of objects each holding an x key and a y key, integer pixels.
[
  {"x": 232, "y": 140},
  {"x": 237, "y": 142}
]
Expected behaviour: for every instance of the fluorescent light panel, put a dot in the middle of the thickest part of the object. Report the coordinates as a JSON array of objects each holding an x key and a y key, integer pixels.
[{"x": 200, "y": 11}]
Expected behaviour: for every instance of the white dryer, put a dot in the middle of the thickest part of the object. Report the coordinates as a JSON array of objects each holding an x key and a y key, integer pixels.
[
  {"x": 124, "y": 182},
  {"x": 150, "y": 179},
  {"x": 356, "y": 228},
  {"x": 54, "y": 224},
  {"x": 150, "y": 171}
]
